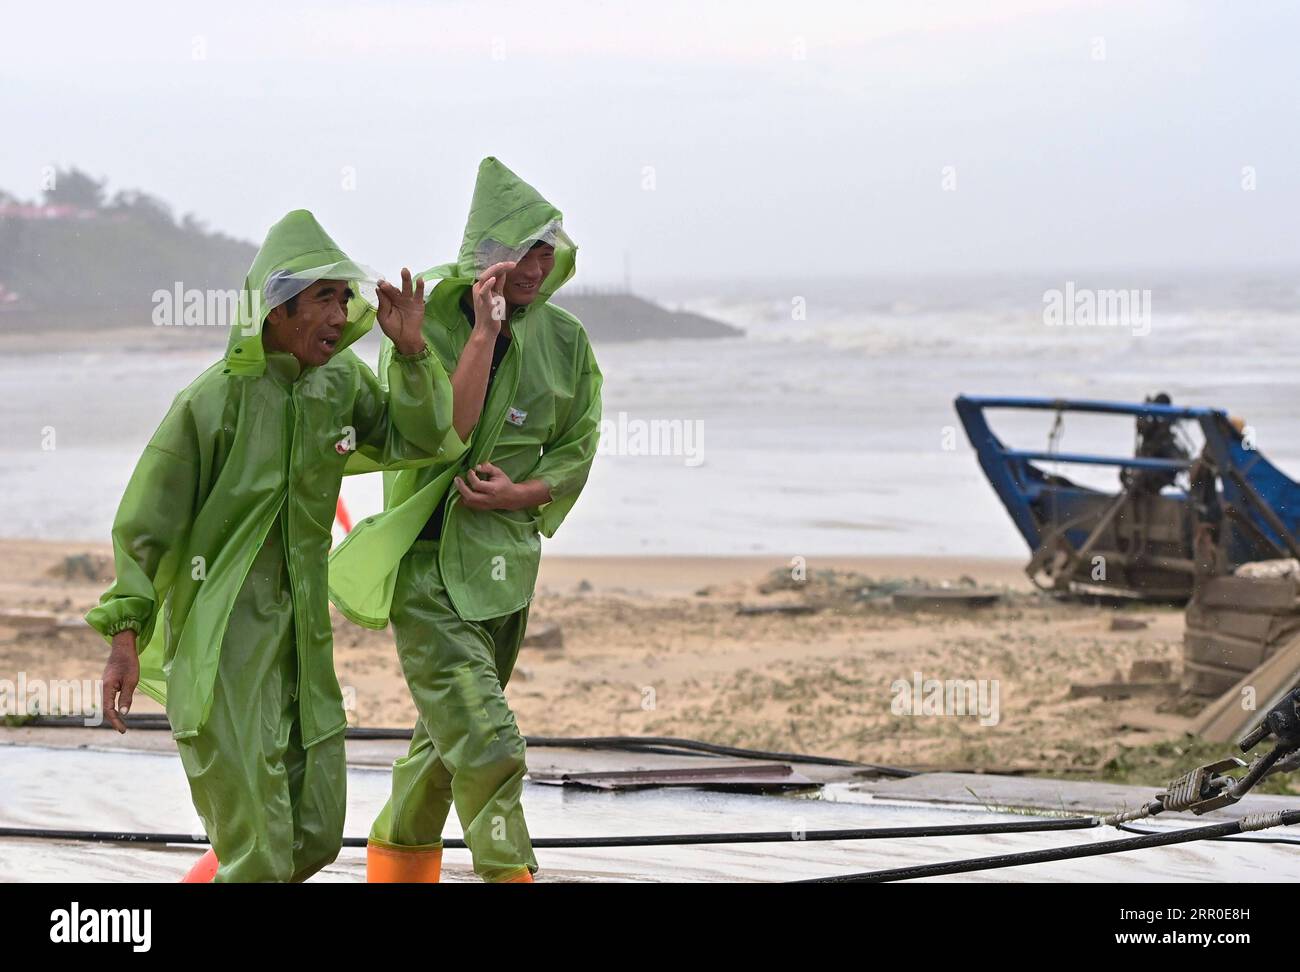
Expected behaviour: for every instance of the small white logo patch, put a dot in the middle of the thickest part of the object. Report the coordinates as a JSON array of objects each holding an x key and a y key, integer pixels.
[{"x": 516, "y": 416}]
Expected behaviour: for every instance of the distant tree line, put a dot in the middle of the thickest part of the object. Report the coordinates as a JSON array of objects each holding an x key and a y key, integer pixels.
[{"x": 113, "y": 262}]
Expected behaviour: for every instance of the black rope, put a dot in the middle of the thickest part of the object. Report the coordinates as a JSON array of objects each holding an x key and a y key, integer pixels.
[
  {"x": 145, "y": 720},
  {"x": 636, "y": 840},
  {"x": 1227, "y": 840},
  {"x": 1216, "y": 832},
  {"x": 694, "y": 745},
  {"x": 1286, "y": 819},
  {"x": 675, "y": 746}
]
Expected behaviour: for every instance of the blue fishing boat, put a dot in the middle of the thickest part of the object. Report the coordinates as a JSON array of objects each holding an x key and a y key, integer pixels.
[{"x": 1176, "y": 514}]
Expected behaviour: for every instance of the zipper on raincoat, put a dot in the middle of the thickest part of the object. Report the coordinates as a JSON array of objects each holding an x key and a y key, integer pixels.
[{"x": 288, "y": 547}]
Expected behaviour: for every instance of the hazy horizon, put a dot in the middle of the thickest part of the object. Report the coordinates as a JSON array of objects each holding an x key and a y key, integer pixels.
[{"x": 728, "y": 141}]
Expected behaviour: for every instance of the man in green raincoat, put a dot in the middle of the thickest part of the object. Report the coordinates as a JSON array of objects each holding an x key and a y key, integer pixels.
[
  {"x": 220, "y": 607},
  {"x": 453, "y": 559}
]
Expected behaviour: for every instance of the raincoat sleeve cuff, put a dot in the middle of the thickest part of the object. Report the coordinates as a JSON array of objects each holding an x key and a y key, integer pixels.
[
  {"x": 420, "y": 409},
  {"x": 412, "y": 358},
  {"x": 116, "y": 615},
  {"x": 538, "y": 512},
  {"x": 559, "y": 485},
  {"x": 554, "y": 486}
]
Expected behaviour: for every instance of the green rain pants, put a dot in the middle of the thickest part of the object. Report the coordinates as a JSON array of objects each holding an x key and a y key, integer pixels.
[
  {"x": 272, "y": 808},
  {"x": 466, "y": 749}
]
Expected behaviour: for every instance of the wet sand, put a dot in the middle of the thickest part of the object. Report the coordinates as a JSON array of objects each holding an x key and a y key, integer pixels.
[{"x": 656, "y": 646}]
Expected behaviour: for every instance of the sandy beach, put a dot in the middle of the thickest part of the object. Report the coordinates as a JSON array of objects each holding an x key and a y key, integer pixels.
[{"x": 659, "y": 646}]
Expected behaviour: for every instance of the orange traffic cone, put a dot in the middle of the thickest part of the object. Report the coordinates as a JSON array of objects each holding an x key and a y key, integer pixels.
[
  {"x": 523, "y": 877},
  {"x": 203, "y": 871}
]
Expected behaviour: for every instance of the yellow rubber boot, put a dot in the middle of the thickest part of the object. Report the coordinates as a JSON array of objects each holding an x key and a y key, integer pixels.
[{"x": 390, "y": 864}]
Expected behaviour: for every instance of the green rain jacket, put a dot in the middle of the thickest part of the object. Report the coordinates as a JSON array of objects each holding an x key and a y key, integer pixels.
[
  {"x": 541, "y": 421},
  {"x": 253, "y": 442}
]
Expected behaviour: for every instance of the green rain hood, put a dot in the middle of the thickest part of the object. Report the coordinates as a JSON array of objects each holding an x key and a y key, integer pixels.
[
  {"x": 541, "y": 421},
  {"x": 258, "y": 443}
]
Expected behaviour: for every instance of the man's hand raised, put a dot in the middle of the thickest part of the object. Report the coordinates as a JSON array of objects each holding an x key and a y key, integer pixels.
[
  {"x": 489, "y": 298},
  {"x": 401, "y": 313}
]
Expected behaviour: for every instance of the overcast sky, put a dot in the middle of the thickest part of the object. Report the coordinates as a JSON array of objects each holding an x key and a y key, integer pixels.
[{"x": 749, "y": 139}]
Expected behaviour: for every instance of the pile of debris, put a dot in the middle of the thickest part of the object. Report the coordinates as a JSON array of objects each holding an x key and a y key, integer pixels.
[
  {"x": 1241, "y": 648},
  {"x": 846, "y": 590},
  {"x": 84, "y": 567}
]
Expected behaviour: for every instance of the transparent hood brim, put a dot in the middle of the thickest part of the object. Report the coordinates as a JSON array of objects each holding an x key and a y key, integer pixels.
[
  {"x": 491, "y": 251},
  {"x": 283, "y": 285}
]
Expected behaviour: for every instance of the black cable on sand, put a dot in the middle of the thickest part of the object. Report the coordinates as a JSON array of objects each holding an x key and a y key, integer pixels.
[
  {"x": 666, "y": 745},
  {"x": 635, "y": 840}
]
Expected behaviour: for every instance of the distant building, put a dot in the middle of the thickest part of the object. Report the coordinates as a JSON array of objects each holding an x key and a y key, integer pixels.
[{"x": 16, "y": 210}]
